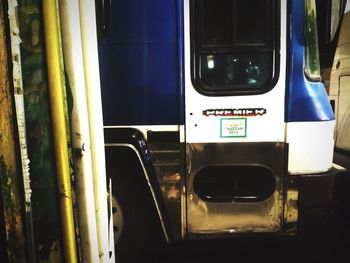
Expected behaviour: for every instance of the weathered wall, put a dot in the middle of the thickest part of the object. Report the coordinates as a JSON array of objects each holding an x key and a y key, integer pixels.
[
  {"x": 10, "y": 178},
  {"x": 39, "y": 139}
]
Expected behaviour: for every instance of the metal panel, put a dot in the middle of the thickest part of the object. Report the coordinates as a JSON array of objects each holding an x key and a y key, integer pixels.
[
  {"x": 139, "y": 64},
  {"x": 238, "y": 118},
  {"x": 167, "y": 163},
  {"x": 343, "y": 136},
  {"x": 226, "y": 218},
  {"x": 339, "y": 83},
  {"x": 307, "y": 101}
]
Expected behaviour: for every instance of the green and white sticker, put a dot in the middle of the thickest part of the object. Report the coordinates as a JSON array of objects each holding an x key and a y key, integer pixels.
[{"x": 233, "y": 127}]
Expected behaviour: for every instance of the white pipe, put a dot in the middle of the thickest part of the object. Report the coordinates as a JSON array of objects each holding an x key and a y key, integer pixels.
[
  {"x": 73, "y": 57},
  {"x": 93, "y": 90}
]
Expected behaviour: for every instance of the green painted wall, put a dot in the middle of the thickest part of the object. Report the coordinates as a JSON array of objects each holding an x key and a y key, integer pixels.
[{"x": 40, "y": 143}]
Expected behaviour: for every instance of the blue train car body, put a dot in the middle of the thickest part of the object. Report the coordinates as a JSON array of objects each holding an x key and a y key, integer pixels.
[{"x": 216, "y": 119}]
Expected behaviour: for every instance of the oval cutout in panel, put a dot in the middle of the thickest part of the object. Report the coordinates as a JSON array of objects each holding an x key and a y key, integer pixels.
[{"x": 234, "y": 183}]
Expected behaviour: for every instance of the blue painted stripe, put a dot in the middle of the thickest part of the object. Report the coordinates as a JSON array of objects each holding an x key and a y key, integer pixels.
[
  {"x": 307, "y": 100},
  {"x": 140, "y": 64},
  {"x": 181, "y": 67}
]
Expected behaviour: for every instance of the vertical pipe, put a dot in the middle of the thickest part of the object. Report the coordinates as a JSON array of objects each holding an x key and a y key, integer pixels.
[
  {"x": 56, "y": 87},
  {"x": 73, "y": 57},
  {"x": 93, "y": 90}
]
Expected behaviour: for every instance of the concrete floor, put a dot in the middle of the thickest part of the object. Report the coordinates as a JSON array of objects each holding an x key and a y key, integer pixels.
[{"x": 317, "y": 248}]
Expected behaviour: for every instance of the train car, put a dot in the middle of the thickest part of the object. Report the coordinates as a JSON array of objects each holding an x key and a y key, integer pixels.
[
  {"x": 217, "y": 123},
  {"x": 340, "y": 90}
]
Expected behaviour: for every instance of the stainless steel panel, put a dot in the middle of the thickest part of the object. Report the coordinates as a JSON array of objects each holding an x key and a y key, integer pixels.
[
  {"x": 167, "y": 161},
  {"x": 222, "y": 217}
]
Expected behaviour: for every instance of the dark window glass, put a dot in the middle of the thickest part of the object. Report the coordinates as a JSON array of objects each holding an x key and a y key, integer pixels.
[
  {"x": 252, "y": 17},
  {"x": 312, "y": 61},
  {"x": 248, "y": 69},
  {"x": 216, "y": 20},
  {"x": 234, "y": 45}
]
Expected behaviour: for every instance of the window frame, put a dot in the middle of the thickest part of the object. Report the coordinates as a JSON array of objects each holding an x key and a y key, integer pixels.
[
  {"x": 235, "y": 48},
  {"x": 312, "y": 67}
]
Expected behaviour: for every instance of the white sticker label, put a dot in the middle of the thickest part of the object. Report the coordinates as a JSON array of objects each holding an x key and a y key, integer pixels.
[{"x": 233, "y": 127}]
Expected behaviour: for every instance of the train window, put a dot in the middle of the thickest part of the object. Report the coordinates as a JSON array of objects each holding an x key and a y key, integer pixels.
[
  {"x": 312, "y": 65},
  {"x": 255, "y": 20},
  {"x": 214, "y": 26},
  {"x": 234, "y": 46}
]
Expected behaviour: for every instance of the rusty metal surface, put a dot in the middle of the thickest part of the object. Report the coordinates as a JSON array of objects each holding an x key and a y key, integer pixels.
[{"x": 8, "y": 163}]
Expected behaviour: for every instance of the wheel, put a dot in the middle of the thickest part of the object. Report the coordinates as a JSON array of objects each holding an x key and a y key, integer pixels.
[
  {"x": 118, "y": 219},
  {"x": 136, "y": 222}
]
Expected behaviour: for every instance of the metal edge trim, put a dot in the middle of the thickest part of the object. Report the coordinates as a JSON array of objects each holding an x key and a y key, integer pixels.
[{"x": 148, "y": 182}]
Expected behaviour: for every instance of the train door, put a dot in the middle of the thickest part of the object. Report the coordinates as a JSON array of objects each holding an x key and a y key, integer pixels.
[{"x": 235, "y": 57}]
